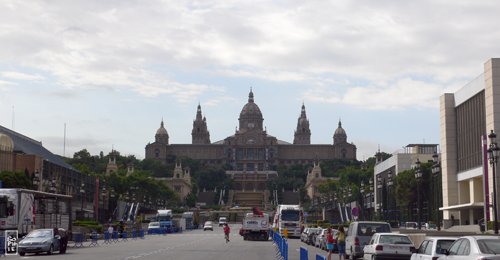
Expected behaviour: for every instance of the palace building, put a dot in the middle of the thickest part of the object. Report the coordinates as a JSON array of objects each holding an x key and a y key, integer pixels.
[{"x": 251, "y": 153}]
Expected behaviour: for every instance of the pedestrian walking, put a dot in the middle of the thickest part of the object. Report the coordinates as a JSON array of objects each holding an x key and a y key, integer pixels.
[
  {"x": 329, "y": 243},
  {"x": 341, "y": 242},
  {"x": 227, "y": 230}
]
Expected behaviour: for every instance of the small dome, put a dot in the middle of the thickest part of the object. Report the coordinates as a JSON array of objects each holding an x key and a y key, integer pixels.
[
  {"x": 161, "y": 130},
  {"x": 6, "y": 143},
  {"x": 340, "y": 131}
]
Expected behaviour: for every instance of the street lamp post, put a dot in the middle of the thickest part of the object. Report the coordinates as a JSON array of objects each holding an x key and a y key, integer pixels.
[
  {"x": 389, "y": 190},
  {"x": 418, "y": 177},
  {"x": 104, "y": 208},
  {"x": 82, "y": 195},
  {"x": 379, "y": 195},
  {"x": 363, "y": 198},
  {"x": 52, "y": 188},
  {"x": 370, "y": 195},
  {"x": 493, "y": 157},
  {"x": 436, "y": 169},
  {"x": 36, "y": 180}
]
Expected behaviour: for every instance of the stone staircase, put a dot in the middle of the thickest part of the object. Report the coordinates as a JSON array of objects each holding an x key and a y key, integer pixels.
[{"x": 249, "y": 199}]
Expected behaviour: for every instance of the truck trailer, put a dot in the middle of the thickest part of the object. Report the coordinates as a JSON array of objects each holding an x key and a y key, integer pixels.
[{"x": 23, "y": 210}]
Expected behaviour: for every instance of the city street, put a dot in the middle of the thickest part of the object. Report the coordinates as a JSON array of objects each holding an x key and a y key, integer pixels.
[{"x": 197, "y": 244}]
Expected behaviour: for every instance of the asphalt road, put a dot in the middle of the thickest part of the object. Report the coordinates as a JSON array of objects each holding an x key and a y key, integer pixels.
[{"x": 197, "y": 244}]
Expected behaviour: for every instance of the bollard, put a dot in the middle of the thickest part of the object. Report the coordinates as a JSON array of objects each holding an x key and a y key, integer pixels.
[
  {"x": 94, "y": 237},
  {"x": 115, "y": 237},
  {"x": 303, "y": 253},
  {"x": 134, "y": 234},
  {"x": 107, "y": 237},
  {"x": 141, "y": 233},
  {"x": 320, "y": 257},
  {"x": 124, "y": 236},
  {"x": 78, "y": 238}
]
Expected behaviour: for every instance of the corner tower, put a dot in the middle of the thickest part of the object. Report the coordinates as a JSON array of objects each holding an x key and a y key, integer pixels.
[
  {"x": 200, "y": 134},
  {"x": 303, "y": 132}
]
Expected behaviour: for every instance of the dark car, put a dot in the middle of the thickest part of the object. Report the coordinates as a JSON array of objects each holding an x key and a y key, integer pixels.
[{"x": 44, "y": 240}]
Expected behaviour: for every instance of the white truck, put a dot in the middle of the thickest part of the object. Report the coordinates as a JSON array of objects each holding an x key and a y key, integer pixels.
[
  {"x": 289, "y": 217},
  {"x": 24, "y": 210},
  {"x": 255, "y": 227},
  {"x": 164, "y": 216}
]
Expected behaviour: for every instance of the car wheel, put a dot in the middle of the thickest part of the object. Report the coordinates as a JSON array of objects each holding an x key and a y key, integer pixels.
[
  {"x": 51, "y": 250},
  {"x": 22, "y": 253}
]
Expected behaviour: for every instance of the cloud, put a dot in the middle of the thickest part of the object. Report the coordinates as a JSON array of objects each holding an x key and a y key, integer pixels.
[
  {"x": 125, "y": 45},
  {"x": 404, "y": 93},
  {"x": 15, "y": 75}
]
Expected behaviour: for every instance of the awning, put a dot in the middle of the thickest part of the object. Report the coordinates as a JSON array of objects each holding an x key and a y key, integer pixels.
[{"x": 471, "y": 205}]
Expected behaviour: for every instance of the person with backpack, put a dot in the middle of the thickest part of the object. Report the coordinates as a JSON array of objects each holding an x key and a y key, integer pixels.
[{"x": 329, "y": 243}]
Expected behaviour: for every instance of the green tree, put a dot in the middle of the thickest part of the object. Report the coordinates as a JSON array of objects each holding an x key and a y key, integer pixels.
[{"x": 15, "y": 180}]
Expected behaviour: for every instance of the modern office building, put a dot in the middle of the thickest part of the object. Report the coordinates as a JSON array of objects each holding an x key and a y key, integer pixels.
[
  {"x": 385, "y": 171},
  {"x": 467, "y": 117}
]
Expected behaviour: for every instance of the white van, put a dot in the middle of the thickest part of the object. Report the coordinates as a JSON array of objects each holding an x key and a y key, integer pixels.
[
  {"x": 222, "y": 221},
  {"x": 359, "y": 235}
]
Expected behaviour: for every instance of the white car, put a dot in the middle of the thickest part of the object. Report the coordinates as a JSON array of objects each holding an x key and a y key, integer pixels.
[
  {"x": 474, "y": 247},
  {"x": 321, "y": 235},
  {"x": 432, "y": 248},
  {"x": 222, "y": 221},
  {"x": 209, "y": 225},
  {"x": 389, "y": 246}
]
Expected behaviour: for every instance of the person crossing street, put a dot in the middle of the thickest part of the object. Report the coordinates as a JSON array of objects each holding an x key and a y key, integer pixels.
[{"x": 227, "y": 230}]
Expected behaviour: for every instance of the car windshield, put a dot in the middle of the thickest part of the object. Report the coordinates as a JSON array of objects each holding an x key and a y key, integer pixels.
[
  {"x": 489, "y": 246},
  {"x": 368, "y": 229},
  {"x": 208, "y": 223},
  {"x": 39, "y": 233},
  {"x": 392, "y": 239},
  {"x": 290, "y": 215},
  {"x": 443, "y": 244}
]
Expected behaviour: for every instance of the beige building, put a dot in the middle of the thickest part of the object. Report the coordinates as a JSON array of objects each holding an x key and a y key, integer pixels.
[
  {"x": 467, "y": 117},
  {"x": 314, "y": 179},
  {"x": 180, "y": 182}
]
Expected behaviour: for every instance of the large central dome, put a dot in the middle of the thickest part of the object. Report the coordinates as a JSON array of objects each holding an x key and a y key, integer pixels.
[
  {"x": 250, "y": 109},
  {"x": 250, "y": 116}
]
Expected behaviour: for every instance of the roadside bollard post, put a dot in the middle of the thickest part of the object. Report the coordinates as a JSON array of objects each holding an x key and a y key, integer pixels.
[
  {"x": 141, "y": 233},
  {"x": 304, "y": 254},
  {"x": 320, "y": 257}
]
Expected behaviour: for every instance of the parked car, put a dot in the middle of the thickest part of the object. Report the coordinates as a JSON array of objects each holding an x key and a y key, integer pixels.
[
  {"x": 432, "y": 247},
  {"x": 473, "y": 247},
  {"x": 359, "y": 234},
  {"x": 389, "y": 246},
  {"x": 44, "y": 240},
  {"x": 304, "y": 235},
  {"x": 153, "y": 227},
  {"x": 208, "y": 226},
  {"x": 222, "y": 221},
  {"x": 311, "y": 236},
  {"x": 320, "y": 236}
]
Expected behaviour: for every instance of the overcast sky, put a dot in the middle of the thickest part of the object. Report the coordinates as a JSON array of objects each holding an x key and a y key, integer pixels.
[{"x": 111, "y": 70}]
